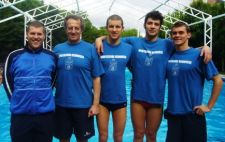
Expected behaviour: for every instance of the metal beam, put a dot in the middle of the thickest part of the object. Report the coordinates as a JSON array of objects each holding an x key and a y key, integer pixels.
[
  {"x": 58, "y": 17},
  {"x": 78, "y": 7},
  {"x": 110, "y": 7},
  {"x": 48, "y": 39},
  {"x": 155, "y": 8},
  {"x": 218, "y": 16},
  {"x": 41, "y": 10},
  {"x": 55, "y": 18},
  {"x": 6, "y": 3},
  {"x": 44, "y": 10},
  {"x": 21, "y": 13},
  {"x": 171, "y": 19},
  {"x": 59, "y": 23},
  {"x": 56, "y": 25},
  {"x": 187, "y": 9},
  {"x": 202, "y": 16}
]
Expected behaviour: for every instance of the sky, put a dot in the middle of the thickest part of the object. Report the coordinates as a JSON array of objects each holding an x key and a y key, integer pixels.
[{"x": 132, "y": 11}]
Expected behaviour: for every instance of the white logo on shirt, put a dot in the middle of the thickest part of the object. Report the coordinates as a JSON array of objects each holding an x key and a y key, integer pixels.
[
  {"x": 180, "y": 61},
  {"x": 175, "y": 69},
  {"x": 113, "y": 57},
  {"x": 113, "y": 65},
  {"x": 149, "y": 60},
  {"x": 71, "y": 55},
  {"x": 150, "y": 52},
  {"x": 175, "y": 65},
  {"x": 68, "y": 63}
]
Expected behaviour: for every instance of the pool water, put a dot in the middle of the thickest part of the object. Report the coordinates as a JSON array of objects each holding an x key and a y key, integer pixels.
[{"x": 215, "y": 119}]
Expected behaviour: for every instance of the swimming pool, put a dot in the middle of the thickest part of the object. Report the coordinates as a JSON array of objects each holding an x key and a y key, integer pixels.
[{"x": 215, "y": 119}]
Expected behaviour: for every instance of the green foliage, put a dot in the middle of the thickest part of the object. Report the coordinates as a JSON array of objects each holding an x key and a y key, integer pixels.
[
  {"x": 90, "y": 32},
  {"x": 129, "y": 32},
  {"x": 12, "y": 31},
  {"x": 58, "y": 36},
  {"x": 218, "y": 30},
  {"x": 198, "y": 29}
]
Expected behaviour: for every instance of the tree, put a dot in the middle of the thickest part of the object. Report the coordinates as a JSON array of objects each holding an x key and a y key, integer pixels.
[
  {"x": 197, "y": 30},
  {"x": 129, "y": 32},
  {"x": 12, "y": 32},
  {"x": 218, "y": 30}
]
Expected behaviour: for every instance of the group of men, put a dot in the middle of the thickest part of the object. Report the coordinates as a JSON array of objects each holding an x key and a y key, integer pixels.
[{"x": 89, "y": 84}]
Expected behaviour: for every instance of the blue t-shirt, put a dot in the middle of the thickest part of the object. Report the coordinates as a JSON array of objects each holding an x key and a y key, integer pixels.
[
  {"x": 148, "y": 67},
  {"x": 186, "y": 73},
  {"x": 77, "y": 65},
  {"x": 114, "y": 60}
]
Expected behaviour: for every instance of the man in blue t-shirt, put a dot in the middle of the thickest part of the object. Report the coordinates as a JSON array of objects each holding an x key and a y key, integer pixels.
[
  {"x": 78, "y": 84},
  {"x": 186, "y": 73},
  {"x": 113, "y": 97},
  {"x": 148, "y": 68}
]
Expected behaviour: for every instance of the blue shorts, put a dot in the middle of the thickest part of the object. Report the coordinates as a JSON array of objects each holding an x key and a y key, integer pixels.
[
  {"x": 70, "y": 120},
  {"x": 186, "y": 128},
  {"x": 32, "y": 128},
  {"x": 113, "y": 107}
]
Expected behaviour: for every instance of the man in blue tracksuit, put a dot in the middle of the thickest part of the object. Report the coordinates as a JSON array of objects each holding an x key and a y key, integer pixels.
[{"x": 29, "y": 76}]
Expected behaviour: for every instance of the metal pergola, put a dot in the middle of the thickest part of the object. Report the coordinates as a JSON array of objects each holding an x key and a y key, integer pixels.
[{"x": 102, "y": 9}]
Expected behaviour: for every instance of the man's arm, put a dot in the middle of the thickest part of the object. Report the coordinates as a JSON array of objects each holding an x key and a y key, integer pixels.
[
  {"x": 99, "y": 45},
  {"x": 207, "y": 53},
  {"x": 7, "y": 76},
  {"x": 217, "y": 86},
  {"x": 94, "y": 110}
]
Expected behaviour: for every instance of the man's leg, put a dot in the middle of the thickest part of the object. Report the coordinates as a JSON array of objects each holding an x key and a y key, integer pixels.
[
  {"x": 138, "y": 115},
  {"x": 21, "y": 128},
  {"x": 195, "y": 130},
  {"x": 175, "y": 128},
  {"x": 154, "y": 117},
  {"x": 83, "y": 125},
  {"x": 43, "y": 131},
  {"x": 102, "y": 121},
  {"x": 63, "y": 122},
  {"x": 119, "y": 121}
]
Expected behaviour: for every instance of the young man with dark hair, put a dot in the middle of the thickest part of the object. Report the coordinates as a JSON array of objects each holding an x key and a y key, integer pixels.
[
  {"x": 78, "y": 84},
  {"x": 29, "y": 76},
  {"x": 148, "y": 68},
  {"x": 186, "y": 73}
]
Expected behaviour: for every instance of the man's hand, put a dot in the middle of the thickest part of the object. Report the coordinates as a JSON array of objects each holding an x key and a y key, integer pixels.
[
  {"x": 207, "y": 53},
  {"x": 99, "y": 45},
  {"x": 201, "y": 110},
  {"x": 94, "y": 110}
]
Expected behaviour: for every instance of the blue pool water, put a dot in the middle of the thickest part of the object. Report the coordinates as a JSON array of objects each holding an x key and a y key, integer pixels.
[{"x": 215, "y": 119}]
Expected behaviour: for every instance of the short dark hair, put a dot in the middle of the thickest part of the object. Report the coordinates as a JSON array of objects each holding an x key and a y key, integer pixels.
[
  {"x": 74, "y": 17},
  {"x": 155, "y": 15},
  {"x": 35, "y": 23},
  {"x": 114, "y": 17},
  {"x": 181, "y": 24}
]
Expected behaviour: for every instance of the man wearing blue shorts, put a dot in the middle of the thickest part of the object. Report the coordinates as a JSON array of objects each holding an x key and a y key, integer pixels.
[
  {"x": 186, "y": 73},
  {"x": 78, "y": 84},
  {"x": 113, "y": 97},
  {"x": 148, "y": 67},
  {"x": 29, "y": 76}
]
